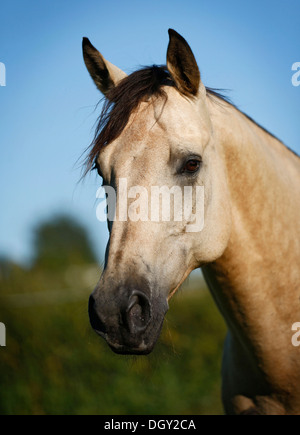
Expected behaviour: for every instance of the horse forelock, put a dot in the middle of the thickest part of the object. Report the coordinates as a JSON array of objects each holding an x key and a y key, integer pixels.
[{"x": 122, "y": 100}]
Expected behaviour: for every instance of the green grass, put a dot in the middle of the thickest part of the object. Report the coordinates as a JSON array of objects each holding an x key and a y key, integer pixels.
[{"x": 55, "y": 364}]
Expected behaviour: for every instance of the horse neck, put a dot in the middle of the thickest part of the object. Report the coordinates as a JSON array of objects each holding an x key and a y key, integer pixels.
[
  {"x": 263, "y": 178},
  {"x": 260, "y": 170}
]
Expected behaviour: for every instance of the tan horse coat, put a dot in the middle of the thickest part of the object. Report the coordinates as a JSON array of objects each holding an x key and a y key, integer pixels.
[
  {"x": 256, "y": 282},
  {"x": 249, "y": 249}
]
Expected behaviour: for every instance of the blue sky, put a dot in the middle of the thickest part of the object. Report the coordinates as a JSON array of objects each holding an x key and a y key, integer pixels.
[{"x": 47, "y": 109}]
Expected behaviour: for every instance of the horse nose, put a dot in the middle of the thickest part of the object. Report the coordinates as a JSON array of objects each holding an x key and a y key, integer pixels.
[
  {"x": 138, "y": 313},
  {"x": 95, "y": 320}
]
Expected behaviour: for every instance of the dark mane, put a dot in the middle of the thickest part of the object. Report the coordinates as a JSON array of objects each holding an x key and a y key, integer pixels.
[{"x": 123, "y": 99}]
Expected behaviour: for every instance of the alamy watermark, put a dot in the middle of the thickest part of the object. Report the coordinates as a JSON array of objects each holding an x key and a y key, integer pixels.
[
  {"x": 155, "y": 204},
  {"x": 2, "y": 335},
  {"x": 296, "y": 336},
  {"x": 2, "y": 74},
  {"x": 296, "y": 75}
]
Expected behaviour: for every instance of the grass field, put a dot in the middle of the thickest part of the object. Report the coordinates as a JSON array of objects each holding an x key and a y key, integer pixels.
[{"x": 55, "y": 364}]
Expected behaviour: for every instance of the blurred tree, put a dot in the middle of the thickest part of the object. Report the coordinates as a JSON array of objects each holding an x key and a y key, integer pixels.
[
  {"x": 62, "y": 241},
  {"x": 6, "y": 268}
]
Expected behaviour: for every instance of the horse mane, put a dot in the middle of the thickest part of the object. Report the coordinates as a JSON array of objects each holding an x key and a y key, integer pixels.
[{"x": 124, "y": 98}]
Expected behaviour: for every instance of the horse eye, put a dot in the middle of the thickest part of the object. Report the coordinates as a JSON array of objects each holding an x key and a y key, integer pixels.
[{"x": 191, "y": 166}]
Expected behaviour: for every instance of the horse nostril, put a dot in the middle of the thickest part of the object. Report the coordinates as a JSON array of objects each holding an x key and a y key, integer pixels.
[
  {"x": 138, "y": 313},
  {"x": 95, "y": 320}
]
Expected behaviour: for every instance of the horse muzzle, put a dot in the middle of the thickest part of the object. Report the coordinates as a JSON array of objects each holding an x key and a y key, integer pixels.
[{"x": 130, "y": 320}]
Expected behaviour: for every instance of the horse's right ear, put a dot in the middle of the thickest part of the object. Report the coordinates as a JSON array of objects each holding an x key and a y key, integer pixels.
[{"x": 105, "y": 74}]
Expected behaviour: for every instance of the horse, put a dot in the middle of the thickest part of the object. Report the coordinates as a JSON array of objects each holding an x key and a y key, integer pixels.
[{"x": 160, "y": 126}]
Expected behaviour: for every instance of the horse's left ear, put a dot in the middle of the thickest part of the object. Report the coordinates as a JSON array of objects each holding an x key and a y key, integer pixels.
[
  {"x": 182, "y": 65},
  {"x": 105, "y": 74}
]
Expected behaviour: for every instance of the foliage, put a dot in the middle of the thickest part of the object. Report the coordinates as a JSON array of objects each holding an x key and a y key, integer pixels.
[{"x": 60, "y": 242}]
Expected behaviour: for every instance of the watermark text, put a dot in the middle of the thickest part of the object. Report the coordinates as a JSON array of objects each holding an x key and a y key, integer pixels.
[
  {"x": 296, "y": 336},
  {"x": 296, "y": 75},
  {"x": 156, "y": 204},
  {"x": 2, "y": 335},
  {"x": 2, "y": 74}
]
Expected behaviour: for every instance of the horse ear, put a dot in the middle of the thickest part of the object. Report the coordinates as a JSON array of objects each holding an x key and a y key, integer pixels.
[
  {"x": 105, "y": 74},
  {"x": 182, "y": 64}
]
